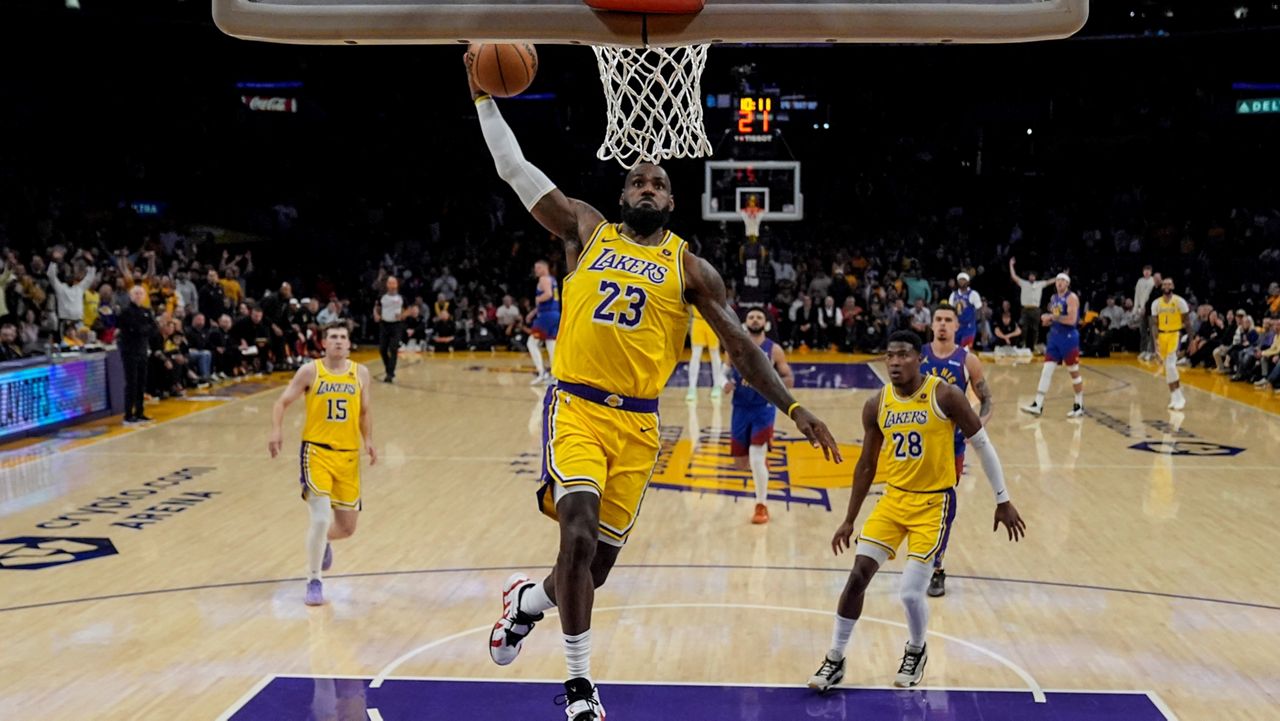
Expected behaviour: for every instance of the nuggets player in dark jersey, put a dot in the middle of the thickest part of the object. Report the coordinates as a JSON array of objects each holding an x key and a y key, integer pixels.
[
  {"x": 622, "y": 330},
  {"x": 1062, "y": 347},
  {"x": 338, "y": 408},
  {"x": 957, "y": 365},
  {"x": 545, "y": 320},
  {"x": 753, "y": 415},
  {"x": 909, "y": 444}
]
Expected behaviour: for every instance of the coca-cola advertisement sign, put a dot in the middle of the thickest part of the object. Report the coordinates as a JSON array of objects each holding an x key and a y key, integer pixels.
[{"x": 262, "y": 103}]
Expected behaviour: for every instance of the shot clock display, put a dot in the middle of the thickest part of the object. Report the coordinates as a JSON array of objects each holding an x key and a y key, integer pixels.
[
  {"x": 758, "y": 117},
  {"x": 755, "y": 118}
]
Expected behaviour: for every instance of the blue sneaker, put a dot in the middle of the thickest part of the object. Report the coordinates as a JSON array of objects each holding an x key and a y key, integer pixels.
[{"x": 315, "y": 593}]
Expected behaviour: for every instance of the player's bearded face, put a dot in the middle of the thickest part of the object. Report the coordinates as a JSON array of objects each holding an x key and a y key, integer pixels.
[
  {"x": 755, "y": 326},
  {"x": 645, "y": 219}
]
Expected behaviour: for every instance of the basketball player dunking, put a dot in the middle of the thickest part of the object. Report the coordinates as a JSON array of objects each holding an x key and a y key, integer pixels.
[
  {"x": 751, "y": 429},
  {"x": 338, "y": 414},
  {"x": 622, "y": 330},
  {"x": 1063, "y": 346},
  {"x": 909, "y": 443},
  {"x": 960, "y": 367},
  {"x": 545, "y": 320}
]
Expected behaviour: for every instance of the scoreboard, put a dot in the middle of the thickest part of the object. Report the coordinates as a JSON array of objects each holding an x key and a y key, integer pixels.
[{"x": 760, "y": 117}]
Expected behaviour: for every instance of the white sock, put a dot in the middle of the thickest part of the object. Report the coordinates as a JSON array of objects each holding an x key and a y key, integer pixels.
[
  {"x": 717, "y": 367},
  {"x": 759, "y": 471},
  {"x": 536, "y": 355},
  {"x": 915, "y": 582},
  {"x": 695, "y": 367},
  {"x": 535, "y": 600},
  {"x": 840, "y": 636},
  {"x": 577, "y": 654},
  {"x": 551, "y": 352},
  {"x": 1080, "y": 396},
  {"x": 1046, "y": 378},
  {"x": 317, "y": 532}
]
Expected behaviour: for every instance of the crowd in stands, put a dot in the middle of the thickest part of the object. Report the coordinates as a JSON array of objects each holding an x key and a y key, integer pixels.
[{"x": 218, "y": 316}]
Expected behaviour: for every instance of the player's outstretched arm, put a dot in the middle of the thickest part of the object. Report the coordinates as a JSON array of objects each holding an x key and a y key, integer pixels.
[
  {"x": 863, "y": 473},
  {"x": 956, "y": 406},
  {"x": 302, "y": 380},
  {"x": 569, "y": 219},
  {"x": 705, "y": 289}
]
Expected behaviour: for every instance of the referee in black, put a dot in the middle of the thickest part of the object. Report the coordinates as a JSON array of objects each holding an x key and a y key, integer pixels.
[
  {"x": 389, "y": 312},
  {"x": 135, "y": 328}
]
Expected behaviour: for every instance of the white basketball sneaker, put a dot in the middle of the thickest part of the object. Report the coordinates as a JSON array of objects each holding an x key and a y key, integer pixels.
[
  {"x": 1076, "y": 411},
  {"x": 1178, "y": 402},
  {"x": 828, "y": 674},
  {"x": 912, "y": 669},
  {"x": 509, "y": 632},
  {"x": 1034, "y": 409}
]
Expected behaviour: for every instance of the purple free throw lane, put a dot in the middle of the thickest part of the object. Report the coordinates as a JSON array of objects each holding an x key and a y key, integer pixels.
[{"x": 287, "y": 698}]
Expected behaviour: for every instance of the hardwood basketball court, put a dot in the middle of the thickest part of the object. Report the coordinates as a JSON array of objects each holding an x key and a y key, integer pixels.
[{"x": 179, "y": 594}]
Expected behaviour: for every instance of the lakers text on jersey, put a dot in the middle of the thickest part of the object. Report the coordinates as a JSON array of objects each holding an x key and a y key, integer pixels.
[
  {"x": 622, "y": 329},
  {"x": 330, "y": 454},
  {"x": 917, "y": 466}
]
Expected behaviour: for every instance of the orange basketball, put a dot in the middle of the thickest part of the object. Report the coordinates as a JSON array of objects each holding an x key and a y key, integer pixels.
[{"x": 504, "y": 70}]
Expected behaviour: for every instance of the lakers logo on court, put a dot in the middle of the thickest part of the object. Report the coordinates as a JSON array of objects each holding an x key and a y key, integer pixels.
[{"x": 797, "y": 472}]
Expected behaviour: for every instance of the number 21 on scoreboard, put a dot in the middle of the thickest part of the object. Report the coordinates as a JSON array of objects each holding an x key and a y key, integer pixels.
[{"x": 747, "y": 109}]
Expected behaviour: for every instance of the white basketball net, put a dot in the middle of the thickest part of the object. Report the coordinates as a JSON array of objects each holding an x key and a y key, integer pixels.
[{"x": 653, "y": 99}]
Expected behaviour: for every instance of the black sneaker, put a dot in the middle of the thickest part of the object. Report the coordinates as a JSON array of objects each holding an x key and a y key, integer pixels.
[
  {"x": 130, "y": 420},
  {"x": 581, "y": 701},
  {"x": 938, "y": 584},
  {"x": 143, "y": 419},
  {"x": 912, "y": 668},
  {"x": 829, "y": 674}
]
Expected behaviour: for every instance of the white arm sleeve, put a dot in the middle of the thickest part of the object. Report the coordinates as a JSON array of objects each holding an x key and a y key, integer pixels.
[
  {"x": 990, "y": 464},
  {"x": 529, "y": 183}
]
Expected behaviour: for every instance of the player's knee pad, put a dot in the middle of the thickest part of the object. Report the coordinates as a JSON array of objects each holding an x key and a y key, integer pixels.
[
  {"x": 877, "y": 553},
  {"x": 915, "y": 581},
  {"x": 1074, "y": 369}
]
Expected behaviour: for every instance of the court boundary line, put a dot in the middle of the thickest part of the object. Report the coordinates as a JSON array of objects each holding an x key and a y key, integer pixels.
[
  {"x": 1037, "y": 692},
  {"x": 248, "y": 696},
  {"x": 1161, "y": 706},
  {"x": 671, "y": 566},
  {"x": 1152, "y": 696}
]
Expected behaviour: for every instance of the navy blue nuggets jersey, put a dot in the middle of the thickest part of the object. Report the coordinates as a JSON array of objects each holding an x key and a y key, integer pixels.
[{"x": 951, "y": 369}]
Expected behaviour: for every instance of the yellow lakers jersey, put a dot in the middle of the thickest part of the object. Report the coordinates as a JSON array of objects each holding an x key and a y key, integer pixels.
[
  {"x": 1169, "y": 315},
  {"x": 918, "y": 453},
  {"x": 623, "y": 318},
  {"x": 333, "y": 408}
]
